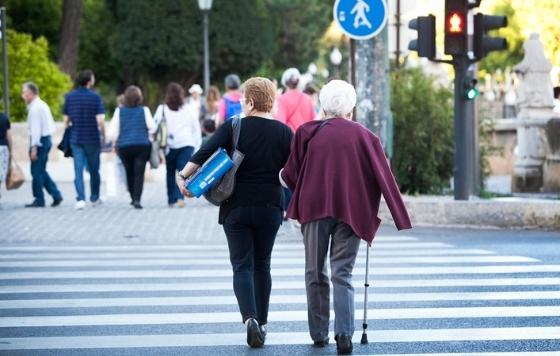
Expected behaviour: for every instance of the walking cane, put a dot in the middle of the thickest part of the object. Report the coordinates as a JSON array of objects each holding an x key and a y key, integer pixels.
[{"x": 366, "y": 285}]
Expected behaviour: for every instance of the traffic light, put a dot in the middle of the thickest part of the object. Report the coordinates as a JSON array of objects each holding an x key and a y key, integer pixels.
[
  {"x": 425, "y": 44},
  {"x": 471, "y": 91},
  {"x": 456, "y": 36},
  {"x": 483, "y": 44}
]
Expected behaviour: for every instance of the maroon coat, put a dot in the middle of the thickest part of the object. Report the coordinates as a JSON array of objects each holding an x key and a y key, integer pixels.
[{"x": 342, "y": 175}]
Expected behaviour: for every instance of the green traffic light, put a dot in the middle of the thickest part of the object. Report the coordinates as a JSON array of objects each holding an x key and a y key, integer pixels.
[{"x": 472, "y": 93}]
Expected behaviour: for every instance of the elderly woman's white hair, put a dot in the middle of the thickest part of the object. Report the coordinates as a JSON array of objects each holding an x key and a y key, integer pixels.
[
  {"x": 337, "y": 98},
  {"x": 291, "y": 76}
]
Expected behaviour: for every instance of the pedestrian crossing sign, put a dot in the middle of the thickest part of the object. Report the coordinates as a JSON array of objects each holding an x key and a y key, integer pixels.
[{"x": 361, "y": 19}]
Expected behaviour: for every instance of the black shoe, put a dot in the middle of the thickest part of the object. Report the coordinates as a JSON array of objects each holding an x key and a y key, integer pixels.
[
  {"x": 343, "y": 344},
  {"x": 254, "y": 335},
  {"x": 35, "y": 205},
  {"x": 263, "y": 331},
  {"x": 321, "y": 343},
  {"x": 56, "y": 202},
  {"x": 136, "y": 205}
]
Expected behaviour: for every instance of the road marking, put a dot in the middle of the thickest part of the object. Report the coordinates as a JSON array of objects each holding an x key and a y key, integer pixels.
[
  {"x": 276, "y": 285},
  {"x": 224, "y": 254},
  {"x": 276, "y": 261},
  {"x": 278, "y": 316},
  {"x": 274, "y": 299},
  {"x": 521, "y": 353},
  {"x": 209, "y": 273},
  {"x": 292, "y": 338},
  {"x": 395, "y": 244}
]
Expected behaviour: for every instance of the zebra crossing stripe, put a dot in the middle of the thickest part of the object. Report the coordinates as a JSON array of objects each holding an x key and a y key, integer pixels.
[
  {"x": 284, "y": 338},
  {"x": 278, "y": 316},
  {"x": 274, "y": 299},
  {"x": 278, "y": 261},
  {"x": 276, "y": 285},
  {"x": 208, "y": 273},
  {"x": 524, "y": 353},
  {"x": 223, "y": 254}
]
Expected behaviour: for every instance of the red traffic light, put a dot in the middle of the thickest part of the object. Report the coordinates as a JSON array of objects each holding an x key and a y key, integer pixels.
[{"x": 455, "y": 23}]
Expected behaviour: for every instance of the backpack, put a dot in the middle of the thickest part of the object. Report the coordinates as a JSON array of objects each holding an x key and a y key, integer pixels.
[{"x": 232, "y": 108}]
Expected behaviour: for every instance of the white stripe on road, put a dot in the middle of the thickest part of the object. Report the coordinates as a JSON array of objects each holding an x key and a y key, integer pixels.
[
  {"x": 206, "y": 273},
  {"x": 276, "y": 285},
  {"x": 293, "y": 338},
  {"x": 274, "y": 299},
  {"x": 521, "y": 353},
  {"x": 385, "y": 244},
  {"x": 224, "y": 254},
  {"x": 276, "y": 261},
  {"x": 277, "y": 316}
]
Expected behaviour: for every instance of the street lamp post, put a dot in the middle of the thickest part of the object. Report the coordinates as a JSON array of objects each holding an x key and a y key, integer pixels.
[
  {"x": 205, "y": 6},
  {"x": 336, "y": 59}
]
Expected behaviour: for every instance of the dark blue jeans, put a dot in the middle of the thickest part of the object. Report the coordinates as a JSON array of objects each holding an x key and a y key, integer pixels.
[
  {"x": 41, "y": 178},
  {"x": 87, "y": 154},
  {"x": 175, "y": 160},
  {"x": 251, "y": 232}
]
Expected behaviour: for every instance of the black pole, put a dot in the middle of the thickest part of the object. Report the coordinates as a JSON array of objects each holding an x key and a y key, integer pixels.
[
  {"x": 206, "y": 53},
  {"x": 398, "y": 29},
  {"x": 462, "y": 174},
  {"x": 5, "y": 63},
  {"x": 353, "y": 71}
]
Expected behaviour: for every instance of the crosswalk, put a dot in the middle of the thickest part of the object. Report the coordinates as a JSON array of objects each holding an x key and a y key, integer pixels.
[{"x": 426, "y": 298}]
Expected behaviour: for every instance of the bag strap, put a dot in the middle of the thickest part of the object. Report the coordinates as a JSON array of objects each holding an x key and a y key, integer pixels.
[
  {"x": 236, "y": 127},
  {"x": 295, "y": 107}
]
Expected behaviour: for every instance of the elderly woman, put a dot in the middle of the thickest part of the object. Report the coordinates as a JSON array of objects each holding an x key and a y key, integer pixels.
[
  {"x": 337, "y": 170},
  {"x": 252, "y": 215},
  {"x": 131, "y": 127}
]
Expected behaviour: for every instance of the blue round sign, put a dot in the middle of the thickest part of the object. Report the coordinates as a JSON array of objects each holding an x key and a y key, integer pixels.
[{"x": 360, "y": 19}]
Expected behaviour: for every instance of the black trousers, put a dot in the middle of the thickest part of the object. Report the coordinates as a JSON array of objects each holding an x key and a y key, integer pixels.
[
  {"x": 251, "y": 232},
  {"x": 134, "y": 159}
]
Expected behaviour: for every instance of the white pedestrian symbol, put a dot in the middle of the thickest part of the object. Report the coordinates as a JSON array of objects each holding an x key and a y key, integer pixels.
[{"x": 360, "y": 10}]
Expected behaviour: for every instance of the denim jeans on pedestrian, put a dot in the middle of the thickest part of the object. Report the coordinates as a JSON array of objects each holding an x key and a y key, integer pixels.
[
  {"x": 41, "y": 178},
  {"x": 251, "y": 232},
  {"x": 176, "y": 160},
  {"x": 87, "y": 154}
]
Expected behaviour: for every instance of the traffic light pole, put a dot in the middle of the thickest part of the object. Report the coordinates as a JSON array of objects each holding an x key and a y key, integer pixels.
[{"x": 462, "y": 171}]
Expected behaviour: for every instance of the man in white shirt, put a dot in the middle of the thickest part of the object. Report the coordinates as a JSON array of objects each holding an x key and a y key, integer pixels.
[{"x": 41, "y": 126}]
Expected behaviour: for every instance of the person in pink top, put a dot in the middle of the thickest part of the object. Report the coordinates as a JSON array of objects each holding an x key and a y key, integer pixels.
[
  {"x": 294, "y": 107},
  {"x": 230, "y": 105}
]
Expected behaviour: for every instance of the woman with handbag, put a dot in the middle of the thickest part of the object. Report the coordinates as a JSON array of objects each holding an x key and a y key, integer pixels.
[
  {"x": 252, "y": 215},
  {"x": 5, "y": 148},
  {"x": 131, "y": 128},
  {"x": 184, "y": 136}
]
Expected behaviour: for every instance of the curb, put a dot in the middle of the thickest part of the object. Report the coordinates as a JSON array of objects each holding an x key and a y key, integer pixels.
[{"x": 508, "y": 214}]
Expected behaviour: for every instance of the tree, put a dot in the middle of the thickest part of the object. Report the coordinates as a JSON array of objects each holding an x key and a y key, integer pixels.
[
  {"x": 98, "y": 22},
  {"x": 29, "y": 60},
  {"x": 163, "y": 40},
  {"x": 524, "y": 17},
  {"x": 70, "y": 36},
  {"x": 423, "y": 123},
  {"x": 299, "y": 26},
  {"x": 36, "y": 17}
]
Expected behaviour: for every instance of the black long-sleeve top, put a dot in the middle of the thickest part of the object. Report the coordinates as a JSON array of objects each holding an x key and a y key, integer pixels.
[{"x": 266, "y": 145}]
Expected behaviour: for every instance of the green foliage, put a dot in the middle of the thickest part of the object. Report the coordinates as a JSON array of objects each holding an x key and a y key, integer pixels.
[
  {"x": 513, "y": 34},
  {"x": 36, "y": 17},
  {"x": 28, "y": 60},
  {"x": 96, "y": 28},
  {"x": 298, "y": 27},
  {"x": 423, "y": 124}
]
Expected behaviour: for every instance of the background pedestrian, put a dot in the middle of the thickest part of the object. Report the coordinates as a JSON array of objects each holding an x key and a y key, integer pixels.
[
  {"x": 5, "y": 148},
  {"x": 132, "y": 129},
  {"x": 184, "y": 136},
  {"x": 41, "y": 127}
]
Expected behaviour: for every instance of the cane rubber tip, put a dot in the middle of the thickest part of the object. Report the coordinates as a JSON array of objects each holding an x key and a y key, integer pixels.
[{"x": 364, "y": 339}]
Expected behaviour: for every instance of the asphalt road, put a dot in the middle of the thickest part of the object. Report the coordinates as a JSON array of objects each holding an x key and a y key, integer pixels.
[{"x": 157, "y": 282}]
